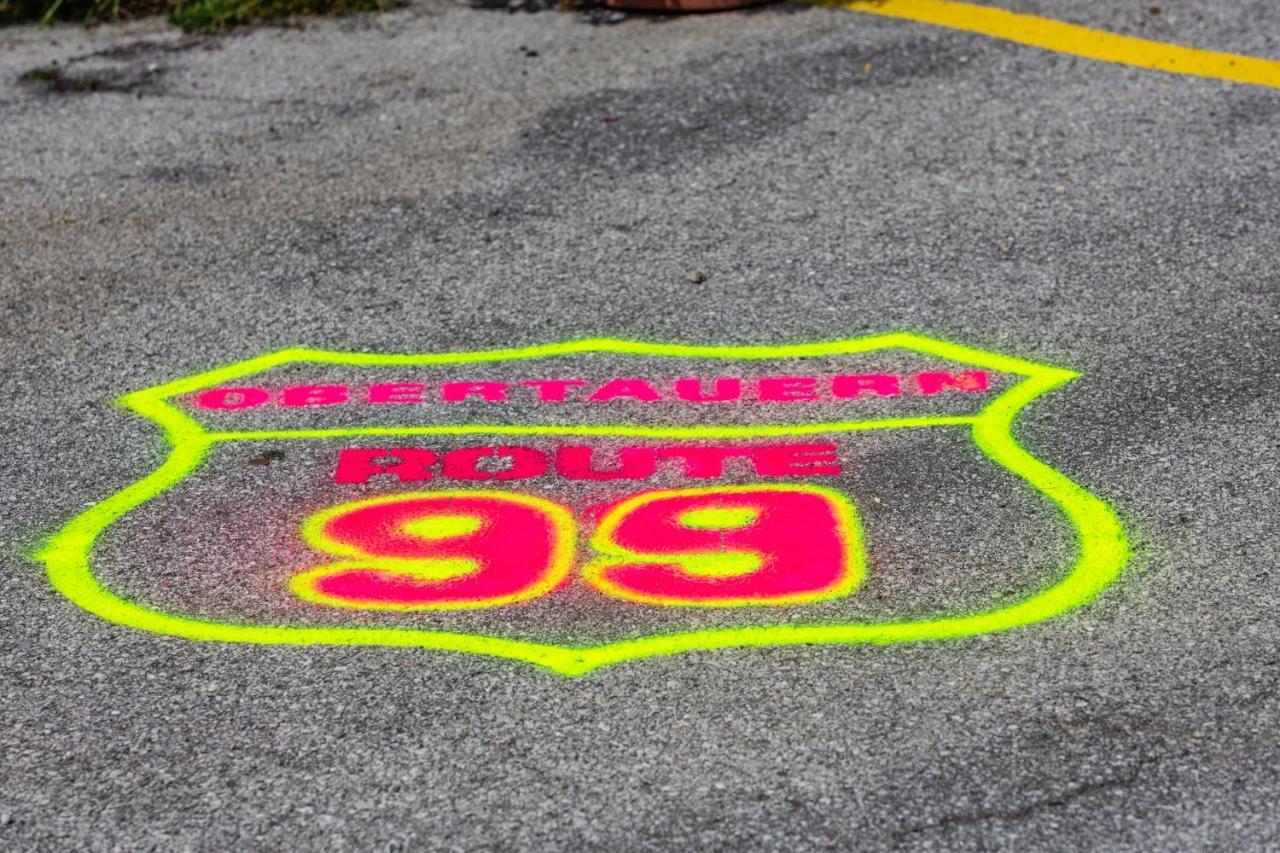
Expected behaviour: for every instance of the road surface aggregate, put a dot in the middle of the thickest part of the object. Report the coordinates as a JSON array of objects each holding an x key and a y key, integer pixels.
[{"x": 443, "y": 178}]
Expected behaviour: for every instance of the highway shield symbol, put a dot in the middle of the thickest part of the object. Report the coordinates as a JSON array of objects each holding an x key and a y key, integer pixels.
[{"x": 581, "y": 504}]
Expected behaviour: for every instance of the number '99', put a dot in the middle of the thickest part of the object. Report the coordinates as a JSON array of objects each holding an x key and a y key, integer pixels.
[{"x": 705, "y": 547}]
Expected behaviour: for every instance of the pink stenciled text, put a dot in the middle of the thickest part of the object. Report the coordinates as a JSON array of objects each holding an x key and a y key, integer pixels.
[{"x": 719, "y": 390}]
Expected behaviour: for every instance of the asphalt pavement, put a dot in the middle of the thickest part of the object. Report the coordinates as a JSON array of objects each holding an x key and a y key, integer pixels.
[{"x": 447, "y": 179}]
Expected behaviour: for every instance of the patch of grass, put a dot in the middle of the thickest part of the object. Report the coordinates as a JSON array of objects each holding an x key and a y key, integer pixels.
[
  {"x": 199, "y": 15},
  {"x": 60, "y": 81},
  {"x": 44, "y": 75},
  {"x": 89, "y": 11},
  {"x": 214, "y": 15}
]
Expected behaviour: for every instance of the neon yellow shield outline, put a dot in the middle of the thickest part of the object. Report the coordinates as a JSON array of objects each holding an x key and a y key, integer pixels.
[{"x": 1101, "y": 546}]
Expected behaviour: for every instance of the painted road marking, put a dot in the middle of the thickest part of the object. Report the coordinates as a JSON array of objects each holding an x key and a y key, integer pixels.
[
  {"x": 1073, "y": 39},
  {"x": 390, "y": 566}
]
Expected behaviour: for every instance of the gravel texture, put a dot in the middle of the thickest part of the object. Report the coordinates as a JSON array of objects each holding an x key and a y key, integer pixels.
[{"x": 445, "y": 178}]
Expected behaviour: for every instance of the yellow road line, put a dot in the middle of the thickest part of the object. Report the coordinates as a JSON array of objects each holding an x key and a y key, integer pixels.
[{"x": 1071, "y": 38}]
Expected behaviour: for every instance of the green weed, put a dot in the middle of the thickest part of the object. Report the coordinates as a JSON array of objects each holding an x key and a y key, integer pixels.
[{"x": 191, "y": 15}]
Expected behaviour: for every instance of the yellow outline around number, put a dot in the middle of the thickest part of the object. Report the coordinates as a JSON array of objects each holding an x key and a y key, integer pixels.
[
  {"x": 303, "y": 583},
  {"x": 1101, "y": 546},
  {"x": 611, "y": 554}
]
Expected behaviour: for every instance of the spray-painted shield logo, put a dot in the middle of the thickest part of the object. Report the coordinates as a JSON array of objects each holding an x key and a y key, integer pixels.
[{"x": 586, "y": 503}]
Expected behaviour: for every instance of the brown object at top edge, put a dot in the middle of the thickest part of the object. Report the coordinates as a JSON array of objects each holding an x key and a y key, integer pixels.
[{"x": 679, "y": 6}]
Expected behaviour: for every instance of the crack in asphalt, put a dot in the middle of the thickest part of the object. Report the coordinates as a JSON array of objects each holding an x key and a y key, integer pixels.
[{"x": 1064, "y": 798}]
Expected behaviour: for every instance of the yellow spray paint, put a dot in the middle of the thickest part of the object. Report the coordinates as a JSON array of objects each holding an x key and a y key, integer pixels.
[{"x": 1101, "y": 545}]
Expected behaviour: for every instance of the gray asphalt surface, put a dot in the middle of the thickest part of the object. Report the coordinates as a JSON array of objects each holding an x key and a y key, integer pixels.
[{"x": 444, "y": 178}]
